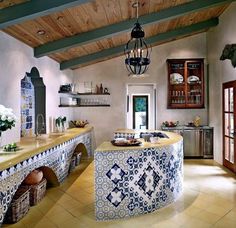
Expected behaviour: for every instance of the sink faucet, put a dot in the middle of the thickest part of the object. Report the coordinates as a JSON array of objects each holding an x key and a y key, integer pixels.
[{"x": 39, "y": 127}]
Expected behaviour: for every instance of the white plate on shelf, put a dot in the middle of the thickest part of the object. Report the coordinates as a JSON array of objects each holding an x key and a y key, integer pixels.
[
  {"x": 193, "y": 78},
  {"x": 176, "y": 78}
]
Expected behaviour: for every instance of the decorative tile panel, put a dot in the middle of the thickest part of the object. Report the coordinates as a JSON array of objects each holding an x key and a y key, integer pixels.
[
  {"x": 137, "y": 181},
  {"x": 123, "y": 135},
  {"x": 27, "y": 107}
]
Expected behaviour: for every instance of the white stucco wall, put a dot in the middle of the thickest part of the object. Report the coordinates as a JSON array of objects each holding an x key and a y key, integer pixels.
[
  {"x": 113, "y": 74},
  {"x": 16, "y": 59},
  {"x": 220, "y": 71}
]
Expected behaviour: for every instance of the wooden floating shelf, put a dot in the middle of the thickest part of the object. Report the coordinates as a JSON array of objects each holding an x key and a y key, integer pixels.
[{"x": 74, "y": 106}]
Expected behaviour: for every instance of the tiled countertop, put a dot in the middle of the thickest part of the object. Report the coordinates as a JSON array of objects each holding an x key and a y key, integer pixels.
[
  {"x": 173, "y": 138},
  {"x": 30, "y": 146}
]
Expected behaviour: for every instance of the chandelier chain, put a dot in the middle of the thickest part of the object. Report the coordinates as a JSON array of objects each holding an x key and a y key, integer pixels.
[{"x": 137, "y": 5}]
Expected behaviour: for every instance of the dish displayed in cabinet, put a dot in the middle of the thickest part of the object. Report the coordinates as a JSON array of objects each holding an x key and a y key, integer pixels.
[
  {"x": 176, "y": 78},
  {"x": 193, "y": 79}
]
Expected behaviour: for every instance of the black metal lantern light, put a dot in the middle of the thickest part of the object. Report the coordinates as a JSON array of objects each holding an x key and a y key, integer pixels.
[{"x": 136, "y": 50}]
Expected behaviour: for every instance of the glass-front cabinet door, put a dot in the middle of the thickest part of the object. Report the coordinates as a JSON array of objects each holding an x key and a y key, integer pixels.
[
  {"x": 176, "y": 84},
  {"x": 195, "y": 89},
  {"x": 229, "y": 130}
]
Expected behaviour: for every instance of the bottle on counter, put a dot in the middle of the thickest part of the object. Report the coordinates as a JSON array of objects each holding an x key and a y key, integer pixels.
[
  {"x": 97, "y": 89},
  {"x": 101, "y": 88}
]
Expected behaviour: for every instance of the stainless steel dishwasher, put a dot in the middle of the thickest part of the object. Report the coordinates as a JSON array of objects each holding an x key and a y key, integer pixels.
[{"x": 193, "y": 142}]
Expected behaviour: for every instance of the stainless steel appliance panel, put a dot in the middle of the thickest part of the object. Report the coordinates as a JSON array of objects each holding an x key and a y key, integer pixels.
[
  {"x": 193, "y": 143},
  {"x": 208, "y": 143}
]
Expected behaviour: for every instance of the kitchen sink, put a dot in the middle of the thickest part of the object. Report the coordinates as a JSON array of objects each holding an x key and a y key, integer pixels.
[
  {"x": 48, "y": 137},
  {"x": 55, "y": 135}
]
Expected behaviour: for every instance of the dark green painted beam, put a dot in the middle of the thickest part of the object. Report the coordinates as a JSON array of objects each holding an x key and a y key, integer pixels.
[
  {"x": 111, "y": 30},
  {"x": 33, "y": 9},
  {"x": 151, "y": 40}
]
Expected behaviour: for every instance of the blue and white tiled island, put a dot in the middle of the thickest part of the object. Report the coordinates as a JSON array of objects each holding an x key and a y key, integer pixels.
[{"x": 131, "y": 181}]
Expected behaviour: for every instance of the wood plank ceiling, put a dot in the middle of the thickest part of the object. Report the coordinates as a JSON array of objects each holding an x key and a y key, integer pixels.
[
  {"x": 8, "y": 3},
  {"x": 97, "y": 14}
]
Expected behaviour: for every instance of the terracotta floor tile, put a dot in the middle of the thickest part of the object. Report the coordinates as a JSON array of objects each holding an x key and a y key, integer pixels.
[
  {"x": 225, "y": 223},
  {"x": 207, "y": 217},
  {"x": 59, "y": 218},
  {"x": 44, "y": 223},
  {"x": 180, "y": 219},
  {"x": 218, "y": 210},
  {"x": 33, "y": 217},
  {"x": 196, "y": 223},
  {"x": 165, "y": 224}
]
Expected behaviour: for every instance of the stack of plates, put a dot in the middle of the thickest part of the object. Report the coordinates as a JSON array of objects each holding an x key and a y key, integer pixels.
[{"x": 176, "y": 78}]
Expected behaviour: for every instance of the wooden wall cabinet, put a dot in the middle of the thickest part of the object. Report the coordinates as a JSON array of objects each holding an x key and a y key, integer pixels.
[{"x": 185, "y": 83}]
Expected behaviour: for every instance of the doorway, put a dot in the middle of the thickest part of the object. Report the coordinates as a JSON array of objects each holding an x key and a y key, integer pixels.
[
  {"x": 141, "y": 106},
  {"x": 229, "y": 125},
  {"x": 140, "y": 112}
]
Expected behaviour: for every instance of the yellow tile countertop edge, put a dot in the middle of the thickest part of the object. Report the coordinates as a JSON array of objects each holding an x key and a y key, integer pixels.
[
  {"x": 30, "y": 146},
  {"x": 173, "y": 138}
]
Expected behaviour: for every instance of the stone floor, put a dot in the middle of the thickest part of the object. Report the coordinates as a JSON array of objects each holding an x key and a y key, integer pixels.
[{"x": 209, "y": 200}]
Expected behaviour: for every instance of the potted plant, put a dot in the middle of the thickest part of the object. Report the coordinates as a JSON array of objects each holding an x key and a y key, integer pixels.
[
  {"x": 7, "y": 119},
  {"x": 60, "y": 123}
]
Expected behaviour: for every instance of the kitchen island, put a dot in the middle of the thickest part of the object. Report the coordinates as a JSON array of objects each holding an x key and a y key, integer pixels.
[
  {"x": 136, "y": 180},
  {"x": 52, "y": 153}
]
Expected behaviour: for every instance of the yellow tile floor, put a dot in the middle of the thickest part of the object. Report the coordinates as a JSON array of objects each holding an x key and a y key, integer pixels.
[{"x": 208, "y": 200}]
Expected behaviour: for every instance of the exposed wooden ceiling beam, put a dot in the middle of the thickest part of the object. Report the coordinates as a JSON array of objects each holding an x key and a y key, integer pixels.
[
  {"x": 33, "y": 9},
  {"x": 111, "y": 30},
  {"x": 76, "y": 62}
]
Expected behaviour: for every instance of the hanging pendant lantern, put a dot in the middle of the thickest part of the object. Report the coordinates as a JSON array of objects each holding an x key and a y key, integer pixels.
[{"x": 136, "y": 50}]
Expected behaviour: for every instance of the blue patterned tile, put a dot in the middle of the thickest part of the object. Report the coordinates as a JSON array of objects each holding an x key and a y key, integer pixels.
[
  {"x": 149, "y": 180},
  {"x": 116, "y": 196},
  {"x": 115, "y": 174}
]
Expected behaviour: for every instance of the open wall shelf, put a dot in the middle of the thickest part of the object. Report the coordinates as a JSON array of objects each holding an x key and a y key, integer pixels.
[
  {"x": 84, "y": 94},
  {"x": 74, "y": 106},
  {"x": 69, "y": 99}
]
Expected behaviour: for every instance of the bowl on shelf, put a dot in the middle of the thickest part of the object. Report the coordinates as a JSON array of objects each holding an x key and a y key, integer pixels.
[
  {"x": 170, "y": 124},
  {"x": 79, "y": 123}
]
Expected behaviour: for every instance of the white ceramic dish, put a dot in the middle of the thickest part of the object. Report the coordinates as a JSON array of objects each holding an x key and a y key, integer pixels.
[
  {"x": 176, "y": 78},
  {"x": 120, "y": 140},
  {"x": 193, "y": 78}
]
